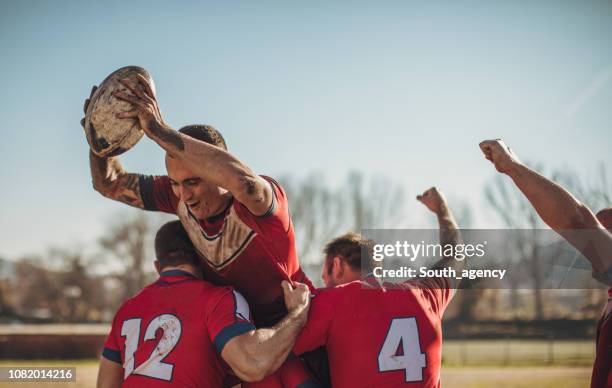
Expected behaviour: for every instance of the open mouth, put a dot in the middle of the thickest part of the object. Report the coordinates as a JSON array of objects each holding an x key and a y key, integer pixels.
[{"x": 193, "y": 205}]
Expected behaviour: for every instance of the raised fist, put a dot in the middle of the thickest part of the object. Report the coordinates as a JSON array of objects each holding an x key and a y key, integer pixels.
[
  {"x": 500, "y": 155},
  {"x": 433, "y": 199}
]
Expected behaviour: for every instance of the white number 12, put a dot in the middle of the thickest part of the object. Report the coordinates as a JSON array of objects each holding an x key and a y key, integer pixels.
[
  {"x": 153, "y": 366},
  {"x": 403, "y": 331}
]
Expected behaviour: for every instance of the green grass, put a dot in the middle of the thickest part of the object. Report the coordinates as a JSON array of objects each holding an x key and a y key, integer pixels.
[
  {"x": 508, "y": 353},
  {"x": 499, "y": 364}
]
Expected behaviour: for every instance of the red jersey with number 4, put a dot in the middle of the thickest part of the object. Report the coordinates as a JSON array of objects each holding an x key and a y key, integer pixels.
[
  {"x": 252, "y": 253},
  {"x": 379, "y": 335},
  {"x": 173, "y": 331}
]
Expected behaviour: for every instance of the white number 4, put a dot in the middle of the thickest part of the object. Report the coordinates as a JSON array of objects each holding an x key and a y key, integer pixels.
[
  {"x": 154, "y": 365},
  {"x": 404, "y": 332}
]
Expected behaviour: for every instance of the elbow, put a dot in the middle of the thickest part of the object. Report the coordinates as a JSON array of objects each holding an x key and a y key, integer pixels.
[
  {"x": 582, "y": 218},
  {"x": 249, "y": 188},
  {"x": 254, "y": 367},
  {"x": 103, "y": 188},
  {"x": 253, "y": 370}
]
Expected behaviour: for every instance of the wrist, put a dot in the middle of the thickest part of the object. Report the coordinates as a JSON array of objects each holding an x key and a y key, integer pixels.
[
  {"x": 298, "y": 313},
  {"x": 515, "y": 170},
  {"x": 442, "y": 210}
]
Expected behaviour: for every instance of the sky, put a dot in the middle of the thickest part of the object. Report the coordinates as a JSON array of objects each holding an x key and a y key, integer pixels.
[{"x": 401, "y": 89}]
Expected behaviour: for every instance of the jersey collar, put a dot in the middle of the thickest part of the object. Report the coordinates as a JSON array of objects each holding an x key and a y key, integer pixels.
[{"x": 176, "y": 272}]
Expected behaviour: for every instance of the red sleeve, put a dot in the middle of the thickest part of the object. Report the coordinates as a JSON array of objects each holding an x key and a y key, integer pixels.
[
  {"x": 320, "y": 317},
  {"x": 276, "y": 222},
  {"x": 228, "y": 317},
  {"x": 157, "y": 194},
  {"x": 111, "y": 350},
  {"x": 438, "y": 292}
]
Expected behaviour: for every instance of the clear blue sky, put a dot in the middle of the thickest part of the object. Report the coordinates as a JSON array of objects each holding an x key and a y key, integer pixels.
[{"x": 405, "y": 89}]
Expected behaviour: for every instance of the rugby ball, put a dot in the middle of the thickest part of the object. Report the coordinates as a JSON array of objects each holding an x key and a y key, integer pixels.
[{"x": 107, "y": 134}]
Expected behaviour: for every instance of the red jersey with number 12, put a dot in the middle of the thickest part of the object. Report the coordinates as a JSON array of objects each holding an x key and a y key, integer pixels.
[{"x": 173, "y": 331}]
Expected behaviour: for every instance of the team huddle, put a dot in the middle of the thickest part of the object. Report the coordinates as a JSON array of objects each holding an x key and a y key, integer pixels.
[{"x": 232, "y": 306}]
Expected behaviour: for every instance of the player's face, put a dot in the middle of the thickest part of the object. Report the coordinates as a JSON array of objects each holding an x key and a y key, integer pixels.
[{"x": 202, "y": 198}]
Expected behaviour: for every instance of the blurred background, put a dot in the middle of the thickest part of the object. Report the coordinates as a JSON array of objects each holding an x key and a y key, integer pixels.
[{"x": 354, "y": 107}]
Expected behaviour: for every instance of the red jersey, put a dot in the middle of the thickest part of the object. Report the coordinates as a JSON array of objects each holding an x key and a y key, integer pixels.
[
  {"x": 379, "y": 335},
  {"x": 173, "y": 331},
  {"x": 252, "y": 253},
  {"x": 602, "y": 368}
]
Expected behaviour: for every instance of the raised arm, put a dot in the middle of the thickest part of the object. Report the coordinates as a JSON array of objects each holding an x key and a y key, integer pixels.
[
  {"x": 449, "y": 230},
  {"x": 211, "y": 163},
  {"x": 259, "y": 353},
  {"x": 556, "y": 206},
  {"x": 110, "y": 179}
]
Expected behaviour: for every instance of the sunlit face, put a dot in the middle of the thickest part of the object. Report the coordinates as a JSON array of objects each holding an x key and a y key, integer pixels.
[{"x": 203, "y": 199}]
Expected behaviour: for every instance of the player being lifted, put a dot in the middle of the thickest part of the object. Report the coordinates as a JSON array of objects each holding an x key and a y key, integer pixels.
[
  {"x": 238, "y": 221},
  {"x": 381, "y": 334},
  {"x": 177, "y": 330},
  {"x": 578, "y": 225}
]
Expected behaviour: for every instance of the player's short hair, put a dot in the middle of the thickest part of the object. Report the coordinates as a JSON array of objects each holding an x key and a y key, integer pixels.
[
  {"x": 349, "y": 247},
  {"x": 604, "y": 216},
  {"x": 205, "y": 133},
  {"x": 173, "y": 246}
]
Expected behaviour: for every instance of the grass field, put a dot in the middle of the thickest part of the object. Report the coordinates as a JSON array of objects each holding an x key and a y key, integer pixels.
[{"x": 467, "y": 364}]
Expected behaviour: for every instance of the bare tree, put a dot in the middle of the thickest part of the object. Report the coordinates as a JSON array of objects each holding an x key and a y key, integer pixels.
[{"x": 126, "y": 243}]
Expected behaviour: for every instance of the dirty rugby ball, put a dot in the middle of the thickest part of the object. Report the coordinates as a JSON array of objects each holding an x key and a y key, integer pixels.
[{"x": 107, "y": 134}]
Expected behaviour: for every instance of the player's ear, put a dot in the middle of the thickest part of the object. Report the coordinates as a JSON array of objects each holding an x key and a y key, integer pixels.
[
  {"x": 337, "y": 267},
  {"x": 157, "y": 267}
]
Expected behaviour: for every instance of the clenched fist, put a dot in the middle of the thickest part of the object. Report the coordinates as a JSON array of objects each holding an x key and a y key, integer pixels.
[
  {"x": 297, "y": 297},
  {"x": 433, "y": 199},
  {"x": 500, "y": 155}
]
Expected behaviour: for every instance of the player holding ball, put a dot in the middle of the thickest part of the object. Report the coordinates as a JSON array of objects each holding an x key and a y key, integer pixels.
[{"x": 238, "y": 221}]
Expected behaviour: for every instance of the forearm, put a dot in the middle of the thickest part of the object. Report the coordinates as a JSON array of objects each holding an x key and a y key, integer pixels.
[
  {"x": 566, "y": 215},
  {"x": 110, "y": 374},
  {"x": 449, "y": 235},
  {"x": 110, "y": 179},
  {"x": 268, "y": 348},
  {"x": 556, "y": 206},
  {"x": 104, "y": 172}
]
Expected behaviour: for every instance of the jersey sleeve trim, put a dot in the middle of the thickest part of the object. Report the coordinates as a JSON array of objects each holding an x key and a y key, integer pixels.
[
  {"x": 230, "y": 332},
  {"x": 146, "y": 192},
  {"x": 112, "y": 355},
  {"x": 273, "y": 205},
  {"x": 310, "y": 383}
]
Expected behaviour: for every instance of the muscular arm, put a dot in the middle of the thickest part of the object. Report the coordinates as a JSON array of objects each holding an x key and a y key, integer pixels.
[
  {"x": 110, "y": 180},
  {"x": 110, "y": 374},
  {"x": 210, "y": 163},
  {"x": 556, "y": 206},
  {"x": 259, "y": 353},
  {"x": 217, "y": 166},
  {"x": 566, "y": 215}
]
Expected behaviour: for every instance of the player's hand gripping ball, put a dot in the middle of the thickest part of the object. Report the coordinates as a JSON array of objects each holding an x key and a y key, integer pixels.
[{"x": 107, "y": 134}]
